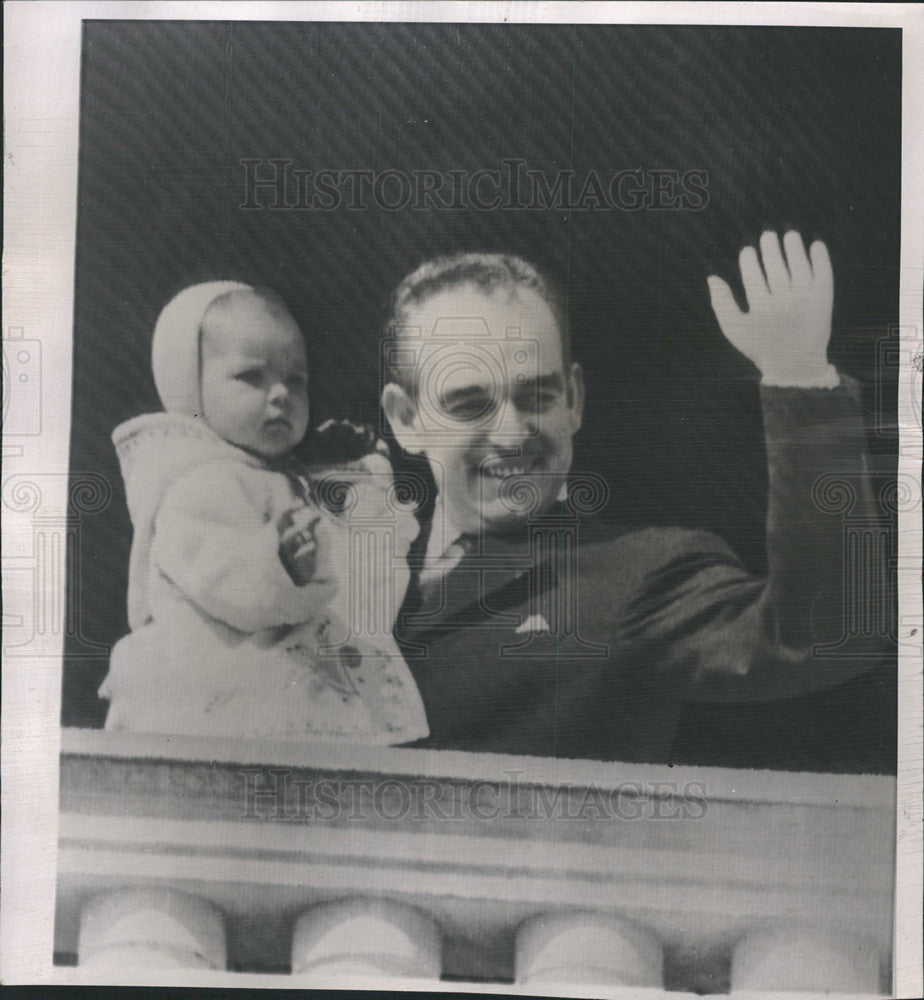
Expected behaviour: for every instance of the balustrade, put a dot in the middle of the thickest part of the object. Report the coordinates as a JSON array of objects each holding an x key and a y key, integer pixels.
[{"x": 324, "y": 863}]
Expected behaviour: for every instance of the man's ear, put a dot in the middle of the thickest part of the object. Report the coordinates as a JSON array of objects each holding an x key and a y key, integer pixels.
[
  {"x": 401, "y": 413},
  {"x": 575, "y": 396}
]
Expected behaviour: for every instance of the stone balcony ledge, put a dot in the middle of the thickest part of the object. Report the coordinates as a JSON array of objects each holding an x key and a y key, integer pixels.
[{"x": 699, "y": 861}]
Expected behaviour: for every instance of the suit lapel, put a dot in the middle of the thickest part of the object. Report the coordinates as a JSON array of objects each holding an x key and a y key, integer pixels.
[{"x": 498, "y": 573}]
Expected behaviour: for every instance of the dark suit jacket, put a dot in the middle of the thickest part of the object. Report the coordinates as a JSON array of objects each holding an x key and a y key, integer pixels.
[{"x": 573, "y": 638}]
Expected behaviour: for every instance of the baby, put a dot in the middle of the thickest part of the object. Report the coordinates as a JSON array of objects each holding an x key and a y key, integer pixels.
[{"x": 237, "y": 600}]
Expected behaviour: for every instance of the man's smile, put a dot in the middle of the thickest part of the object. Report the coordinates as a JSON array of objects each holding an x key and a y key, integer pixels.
[{"x": 502, "y": 468}]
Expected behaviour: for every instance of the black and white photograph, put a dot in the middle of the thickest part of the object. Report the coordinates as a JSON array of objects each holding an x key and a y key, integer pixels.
[{"x": 462, "y": 498}]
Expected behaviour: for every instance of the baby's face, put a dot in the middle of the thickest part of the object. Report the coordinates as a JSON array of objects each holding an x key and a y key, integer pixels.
[{"x": 254, "y": 375}]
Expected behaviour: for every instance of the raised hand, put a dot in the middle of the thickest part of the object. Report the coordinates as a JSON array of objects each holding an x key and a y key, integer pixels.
[{"x": 787, "y": 326}]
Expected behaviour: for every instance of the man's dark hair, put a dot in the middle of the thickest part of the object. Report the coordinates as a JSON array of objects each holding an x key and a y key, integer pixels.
[{"x": 484, "y": 271}]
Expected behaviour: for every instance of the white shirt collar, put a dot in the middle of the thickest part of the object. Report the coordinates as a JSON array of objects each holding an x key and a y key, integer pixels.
[{"x": 443, "y": 531}]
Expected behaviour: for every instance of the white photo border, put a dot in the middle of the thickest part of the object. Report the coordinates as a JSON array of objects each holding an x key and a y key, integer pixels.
[{"x": 42, "y": 100}]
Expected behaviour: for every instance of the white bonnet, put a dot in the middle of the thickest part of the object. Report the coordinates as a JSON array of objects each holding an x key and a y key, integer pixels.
[{"x": 175, "y": 350}]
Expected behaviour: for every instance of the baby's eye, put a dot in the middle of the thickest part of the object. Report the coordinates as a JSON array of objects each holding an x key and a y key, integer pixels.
[{"x": 298, "y": 380}]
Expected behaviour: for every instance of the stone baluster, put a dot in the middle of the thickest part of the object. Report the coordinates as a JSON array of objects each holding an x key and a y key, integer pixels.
[
  {"x": 587, "y": 948},
  {"x": 808, "y": 959},
  {"x": 366, "y": 937},
  {"x": 151, "y": 929}
]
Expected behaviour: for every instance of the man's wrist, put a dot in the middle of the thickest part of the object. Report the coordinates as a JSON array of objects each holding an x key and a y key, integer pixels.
[{"x": 824, "y": 376}]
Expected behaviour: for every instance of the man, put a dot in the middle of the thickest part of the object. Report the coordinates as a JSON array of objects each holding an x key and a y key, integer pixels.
[{"x": 532, "y": 628}]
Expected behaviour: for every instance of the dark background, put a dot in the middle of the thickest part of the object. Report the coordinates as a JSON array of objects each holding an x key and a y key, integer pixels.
[{"x": 794, "y": 127}]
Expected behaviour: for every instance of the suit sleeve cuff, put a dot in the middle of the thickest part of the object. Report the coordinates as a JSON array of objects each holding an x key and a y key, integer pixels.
[{"x": 826, "y": 378}]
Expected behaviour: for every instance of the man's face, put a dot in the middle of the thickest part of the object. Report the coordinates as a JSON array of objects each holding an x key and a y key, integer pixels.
[{"x": 495, "y": 410}]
